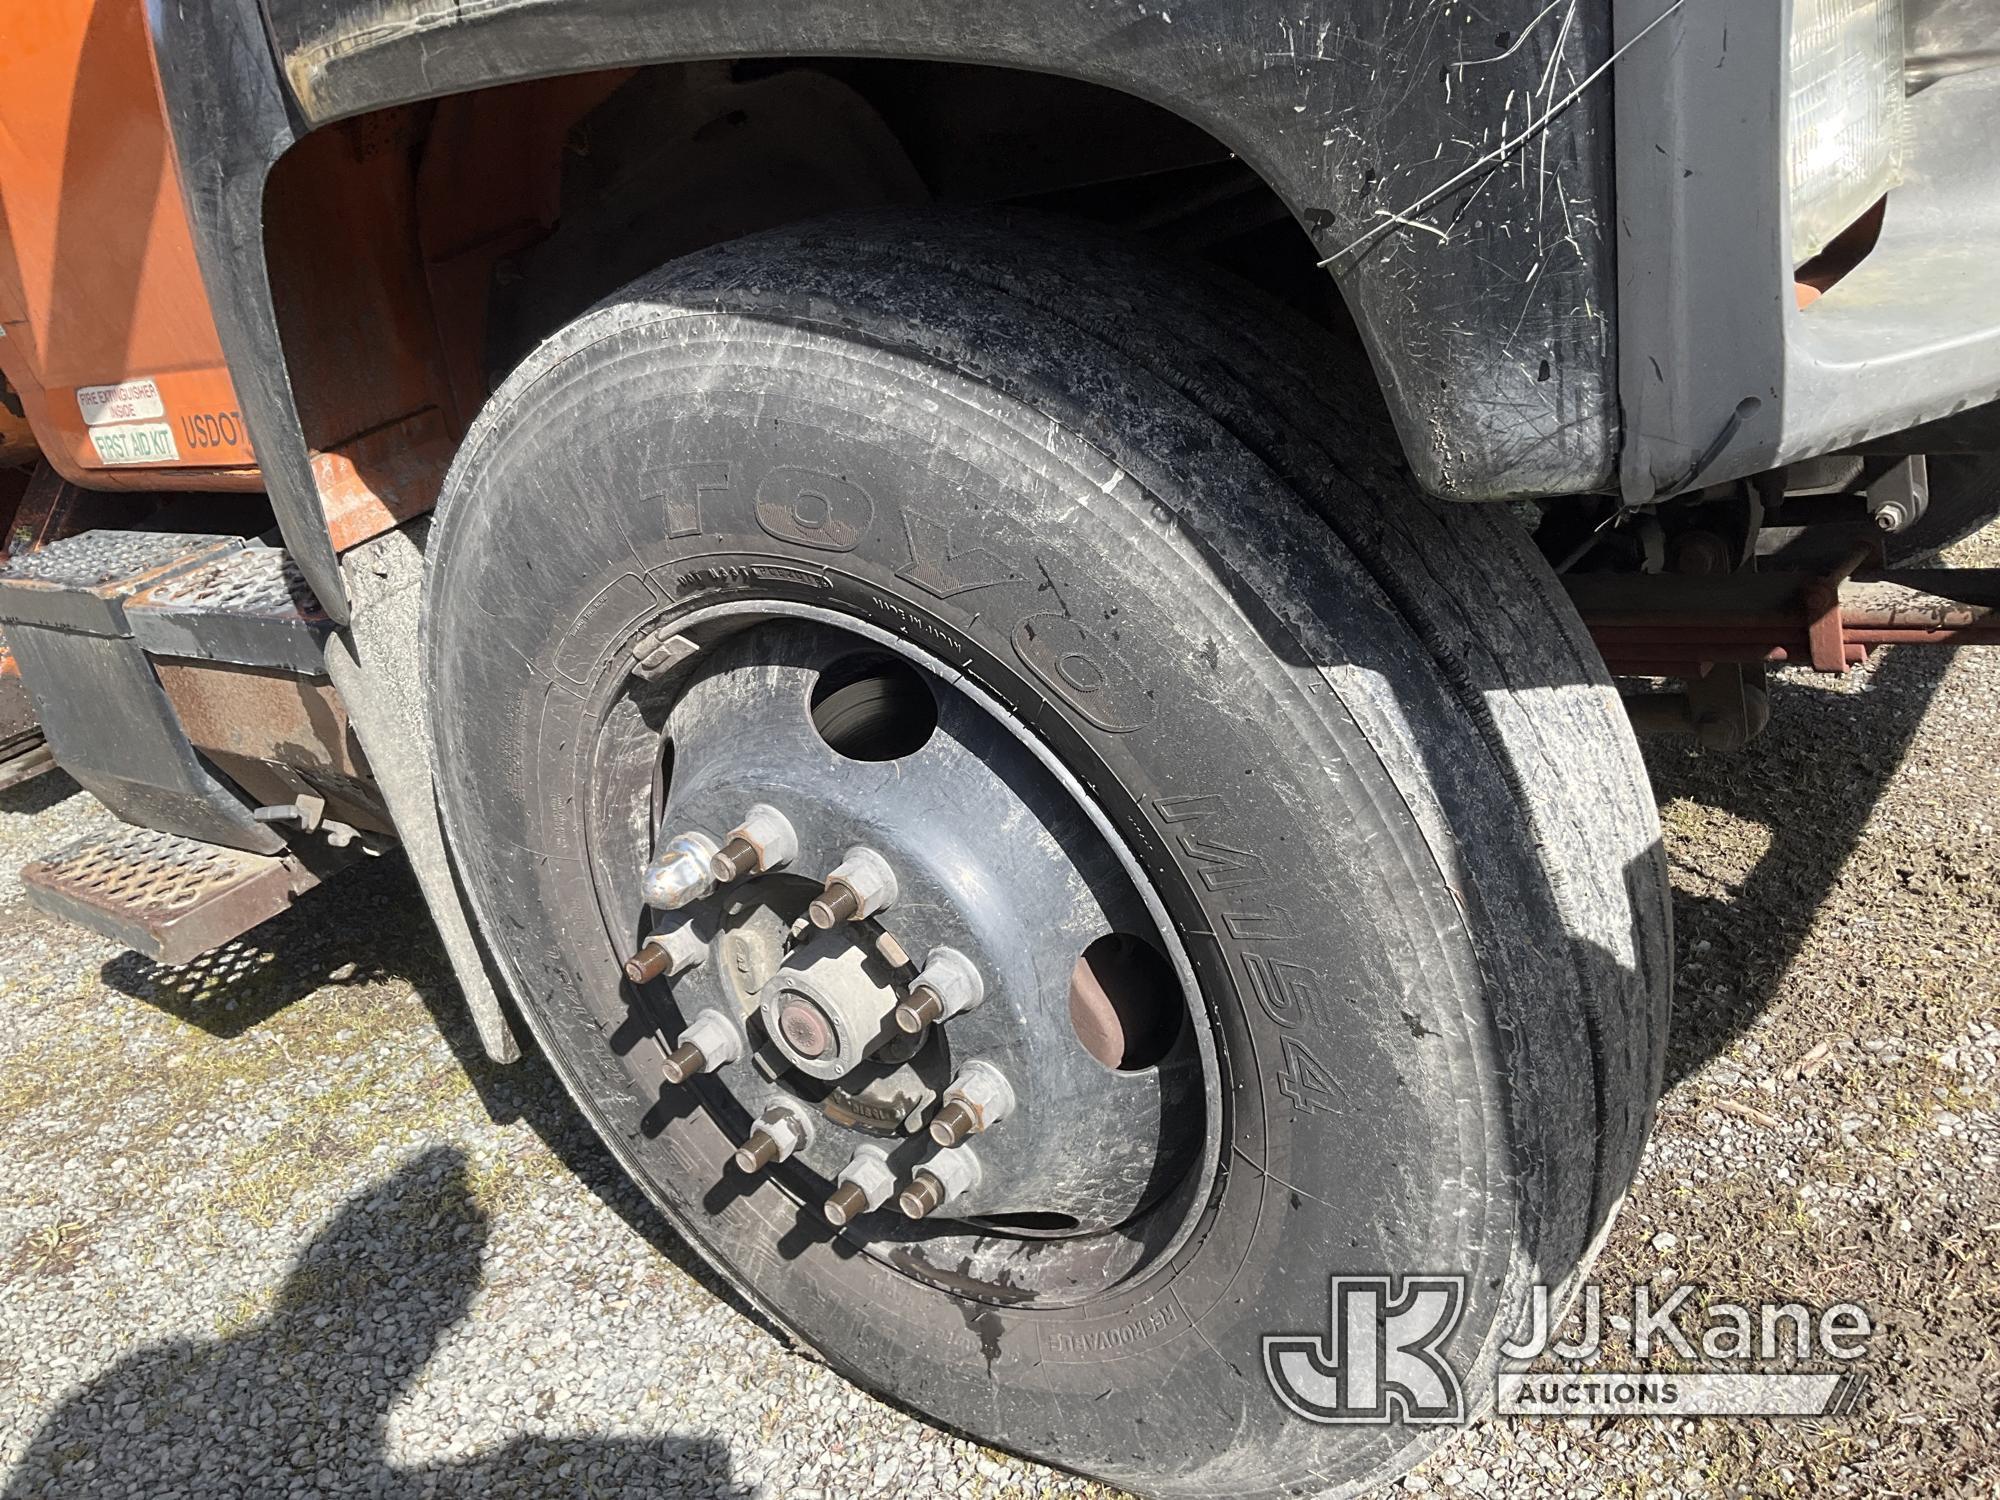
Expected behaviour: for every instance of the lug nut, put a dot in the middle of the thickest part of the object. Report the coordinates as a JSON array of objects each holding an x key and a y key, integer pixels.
[
  {"x": 708, "y": 1043},
  {"x": 681, "y": 874},
  {"x": 666, "y": 953},
  {"x": 948, "y": 986},
  {"x": 763, "y": 841},
  {"x": 978, "y": 1099},
  {"x": 860, "y": 886},
  {"x": 945, "y": 1178},
  {"x": 784, "y": 1129},
  {"x": 864, "y": 1185}
]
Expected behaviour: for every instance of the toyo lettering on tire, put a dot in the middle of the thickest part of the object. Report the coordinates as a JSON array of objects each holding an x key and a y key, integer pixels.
[{"x": 1186, "y": 863}]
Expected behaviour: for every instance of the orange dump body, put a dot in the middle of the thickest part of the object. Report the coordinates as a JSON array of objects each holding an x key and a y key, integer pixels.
[{"x": 109, "y": 339}]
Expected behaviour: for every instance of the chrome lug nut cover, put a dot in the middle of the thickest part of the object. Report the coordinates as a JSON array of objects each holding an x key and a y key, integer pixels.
[{"x": 682, "y": 873}]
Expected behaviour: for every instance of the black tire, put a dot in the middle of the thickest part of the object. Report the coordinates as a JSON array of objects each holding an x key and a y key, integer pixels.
[{"x": 1440, "y": 992}]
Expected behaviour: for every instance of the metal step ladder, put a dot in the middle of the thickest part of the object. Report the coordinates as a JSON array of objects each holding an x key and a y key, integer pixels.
[
  {"x": 162, "y": 895},
  {"x": 91, "y": 618}
]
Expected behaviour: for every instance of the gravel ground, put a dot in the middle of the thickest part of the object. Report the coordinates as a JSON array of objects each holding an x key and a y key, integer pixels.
[{"x": 270, "y": 1225}]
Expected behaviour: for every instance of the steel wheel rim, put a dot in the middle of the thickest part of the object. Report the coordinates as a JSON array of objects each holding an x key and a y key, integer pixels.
[{"x": 1116, "y": 1259}]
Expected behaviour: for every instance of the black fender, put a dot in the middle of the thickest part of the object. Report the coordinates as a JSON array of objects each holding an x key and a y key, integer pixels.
[{"x": 1450, "y": 163}]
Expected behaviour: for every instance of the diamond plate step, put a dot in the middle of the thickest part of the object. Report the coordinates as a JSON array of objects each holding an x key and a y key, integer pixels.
[
  {"x": 167, "y": 897},
  {"x": 251, "y": 608},
  {"x": 82, "y": 582}
]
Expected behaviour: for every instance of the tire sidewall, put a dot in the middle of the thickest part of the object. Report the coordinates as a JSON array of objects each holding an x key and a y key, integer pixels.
[{"x": 656, "y": 465}]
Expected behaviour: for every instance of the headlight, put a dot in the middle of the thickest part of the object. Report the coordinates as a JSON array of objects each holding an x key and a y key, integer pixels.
[{"x": 1844, "y": 125}]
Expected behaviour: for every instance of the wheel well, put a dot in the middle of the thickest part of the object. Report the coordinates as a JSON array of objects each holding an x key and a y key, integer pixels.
[{"x": 418, "y": 252}]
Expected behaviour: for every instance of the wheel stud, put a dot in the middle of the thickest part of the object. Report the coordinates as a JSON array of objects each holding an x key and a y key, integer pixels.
[
  {"x": 978, "y": 1099},
  {"x": 708, "y": 1043},
  {"x": 682, "y": 873},
  {"x": 737, "y": 858},
  {"x": 945, "y": 1178},
  {"x": 954, "y": 1123},
  {"x": 684, "y": 1062},
  {"x": 648, "y": 964},
  {"x": 948, "y": 985},
  {"x": 923, "y": 1196},
  {"x": 836, "y": 905},
  {"x": 758, "y": 1152},
  {"x": 763, "y": 841},
  {"x": 666, "y": 953},
  {"x": 864, "y": 1185},
  {"x": 860, "y": 886},
  {"x": 784, "y": 1129},
  {"x": 846, "y": 1204},
  {"x": 920, "y": 1010}
]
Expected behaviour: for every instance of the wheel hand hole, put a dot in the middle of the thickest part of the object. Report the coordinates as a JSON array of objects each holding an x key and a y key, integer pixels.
[
  {"x": 1124, "y": 1003},
  {"x": 873, "y": 708}
]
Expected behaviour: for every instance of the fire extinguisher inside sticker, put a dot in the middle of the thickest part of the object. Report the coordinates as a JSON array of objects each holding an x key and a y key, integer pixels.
[
  {"x": 127, "y": 401},
  {"x": 140, "y": 443}
]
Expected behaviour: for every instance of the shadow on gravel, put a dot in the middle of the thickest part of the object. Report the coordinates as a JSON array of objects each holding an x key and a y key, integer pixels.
[
  {"x": 1811, "y": 782},
  {"x": 370, "y": 926},
  {"x": 38, "y": 795},
  {"x": 298, "y": 1400},
  {"x": 529, "y": 1092}
]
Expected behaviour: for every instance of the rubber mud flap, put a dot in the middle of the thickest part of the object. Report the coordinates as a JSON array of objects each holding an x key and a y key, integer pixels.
[{"x": 1362, "y": 749}]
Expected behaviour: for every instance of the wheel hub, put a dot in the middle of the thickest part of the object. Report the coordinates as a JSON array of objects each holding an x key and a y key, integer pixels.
[
  {"x": 828, "y": 1009},
  {"x": 805, "y": 1030},
  {"x": 895, "y": 901}
]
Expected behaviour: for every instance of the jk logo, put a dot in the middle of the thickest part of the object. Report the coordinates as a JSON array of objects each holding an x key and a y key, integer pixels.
[{"x": 1380, "y": 1360}]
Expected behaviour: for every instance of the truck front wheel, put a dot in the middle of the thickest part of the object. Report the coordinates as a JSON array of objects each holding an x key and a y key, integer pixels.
[{"x": 1098, "y": 854}]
